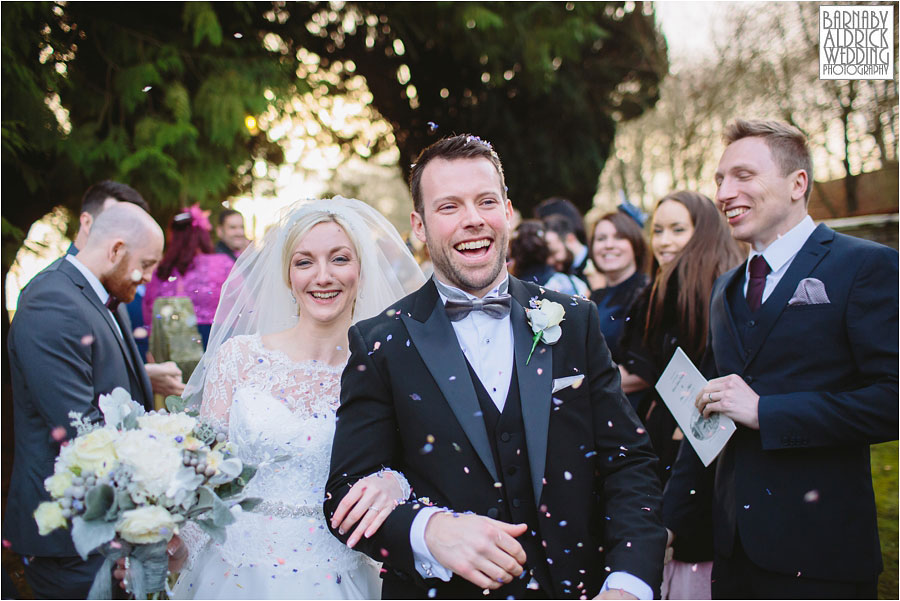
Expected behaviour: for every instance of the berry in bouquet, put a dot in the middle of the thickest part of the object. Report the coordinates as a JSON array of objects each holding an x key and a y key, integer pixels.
[{"x": 126, "y": 486}]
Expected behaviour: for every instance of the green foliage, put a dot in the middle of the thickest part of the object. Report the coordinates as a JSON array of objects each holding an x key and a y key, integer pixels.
[
  {"x": 884, "y": 480},
  {"x": 545, "y": 82},
  {"x": 202, "y": 19}
]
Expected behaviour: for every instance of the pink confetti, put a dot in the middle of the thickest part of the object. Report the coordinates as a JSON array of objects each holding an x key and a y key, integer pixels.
[
  {"x": 811, "y": 496},
  {"x": 6, "y": 544},
  {"x": 540, "y": 371},
  {"x": 58, "y": 433},
  {"x": 376, "y": 346},
  {"x": 87, "y": 340},
  {"x": 140, "y": 333},
  {"x": 384, "y": 552}
]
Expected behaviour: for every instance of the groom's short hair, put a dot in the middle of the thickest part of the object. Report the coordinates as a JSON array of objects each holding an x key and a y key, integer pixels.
[{"x": 461, "y": 146}]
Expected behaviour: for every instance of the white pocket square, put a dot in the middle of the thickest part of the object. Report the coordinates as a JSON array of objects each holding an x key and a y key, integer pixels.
[
  {"x": 810, "y": 291},
  {"x": 573, "y": 381}
]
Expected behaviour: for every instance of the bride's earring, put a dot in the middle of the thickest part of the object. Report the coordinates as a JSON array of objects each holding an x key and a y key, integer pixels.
[{"x": 293, "y": 298}]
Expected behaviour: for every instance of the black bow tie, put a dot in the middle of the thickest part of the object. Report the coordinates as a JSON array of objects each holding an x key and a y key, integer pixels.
[
  {"x": 112, "y": 303},
  {"x": 495, "y": 306}
]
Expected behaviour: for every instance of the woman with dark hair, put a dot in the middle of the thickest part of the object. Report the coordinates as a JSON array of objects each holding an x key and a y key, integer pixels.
[
  {"x": 189, "y": 268},
  {"x": 619, "y": 252},
  {"x": 528, "y": 253},
  {"x": 692, "y": 246}
]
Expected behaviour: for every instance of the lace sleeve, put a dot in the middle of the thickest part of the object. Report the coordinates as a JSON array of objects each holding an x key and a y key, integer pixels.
[
  {"x": 218, "y": 389},
  {"x": 195, "y": 540}
]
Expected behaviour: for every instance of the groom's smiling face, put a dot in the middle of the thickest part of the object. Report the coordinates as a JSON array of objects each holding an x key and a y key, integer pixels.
[{"x": 464, "y": 222}]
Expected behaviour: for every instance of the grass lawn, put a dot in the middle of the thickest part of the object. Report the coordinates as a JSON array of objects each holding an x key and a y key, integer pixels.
[{"x": 884, "y": 478}]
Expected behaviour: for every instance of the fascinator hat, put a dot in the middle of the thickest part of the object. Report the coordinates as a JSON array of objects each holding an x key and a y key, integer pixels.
[{"x": 256, "y": 298}]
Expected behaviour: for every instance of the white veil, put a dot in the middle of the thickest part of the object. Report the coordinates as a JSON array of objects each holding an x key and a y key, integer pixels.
[{"x": 256, "y": 300}]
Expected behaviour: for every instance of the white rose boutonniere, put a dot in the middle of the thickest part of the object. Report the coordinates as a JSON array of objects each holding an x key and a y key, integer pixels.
[{"x": 544, "y": 320}]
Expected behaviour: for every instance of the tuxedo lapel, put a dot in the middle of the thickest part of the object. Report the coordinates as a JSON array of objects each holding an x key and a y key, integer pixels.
[
  {"x": 136, "y": 360},
  {"x": 535, "y": 384},
  {"x": 809, "y": 256},
  {"x": 436, "y": 342}
]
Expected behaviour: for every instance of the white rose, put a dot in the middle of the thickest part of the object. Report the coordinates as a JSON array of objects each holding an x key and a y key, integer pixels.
[
  {"x": 95, "y": 451},
  {"x": 554, "y": 311},
  {"x": 154, "y": 459},
  {"x": 172, "y": 424},
  {"x": 546, "y": 319},
  {"x": 57, "y": 484},
  {"x": 49, "y": 517},
  {"x": 146, "y": 525}
]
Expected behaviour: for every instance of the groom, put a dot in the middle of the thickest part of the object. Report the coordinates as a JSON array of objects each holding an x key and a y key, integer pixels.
[{"x": 532, "y": 477}]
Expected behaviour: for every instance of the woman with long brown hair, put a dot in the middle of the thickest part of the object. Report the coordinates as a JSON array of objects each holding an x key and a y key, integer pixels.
[{"x": 691, "y": 246}]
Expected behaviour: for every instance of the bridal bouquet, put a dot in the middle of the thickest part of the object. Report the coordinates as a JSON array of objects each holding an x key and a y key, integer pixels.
[{"x": 125, "y": 487}]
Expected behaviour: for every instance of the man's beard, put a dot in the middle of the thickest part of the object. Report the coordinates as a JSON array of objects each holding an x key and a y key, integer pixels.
[
  {"x": 118, "y": 281},
  {"x": 459, "y": 278}
]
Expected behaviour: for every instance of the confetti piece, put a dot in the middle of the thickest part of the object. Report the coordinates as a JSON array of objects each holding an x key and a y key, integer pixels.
[
  {"x": 432, "y": 126},
  {"x": 811, "y": 496},
  {"x": 415, "y": 397},
  {"x": 432, "y": 593},
  {"x": 564, "y": 523},
  {"x": 466, "y": 469},
  {"x": 429, "y": 438},
  {"x": 427, "y": 449},
  {"x": 452, "y": 378},
  {"x": 87, "y": 339},
  {"x": 384, "y": 552},
  {"x": 577, "y": 384},
  {"x": 390, "y": 312},
  {"x": 136, "y": 275},
  {"x": 376, "y": 346},
  {"x": 6, "y": 544},
  {"x": 146, "y": 88},
  {"x": 540, "y": 371},
  {"x": 567, "y": 475},
  {"x": 140, "y": 333},
  {"x": 58, "y": 433},
  {"x": 360, "y": 368},
  {"x": 746, "y": 507}
]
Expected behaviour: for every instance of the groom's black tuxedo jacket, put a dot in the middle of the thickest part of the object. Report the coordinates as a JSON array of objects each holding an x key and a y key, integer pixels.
[
  {"x": 408, "y": 402},
  {"x": 798, "y": 491}
]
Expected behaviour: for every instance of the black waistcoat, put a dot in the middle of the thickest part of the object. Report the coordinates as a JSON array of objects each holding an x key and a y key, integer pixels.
[
  {"x": 743, "y": 317},
  {"x": 515, "y": 502}
]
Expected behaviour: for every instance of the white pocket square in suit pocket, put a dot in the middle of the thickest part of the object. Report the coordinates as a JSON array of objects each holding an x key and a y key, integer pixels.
[
  {"x": 810, "y": 291},
  {"x": 573, "y": 381}
]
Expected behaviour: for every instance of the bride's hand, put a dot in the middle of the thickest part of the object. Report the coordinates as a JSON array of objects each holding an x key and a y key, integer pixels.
[{"x": 369, "y": 502}]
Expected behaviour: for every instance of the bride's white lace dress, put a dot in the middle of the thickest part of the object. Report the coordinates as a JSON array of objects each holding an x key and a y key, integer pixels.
[{"x": 282, "y": 549}]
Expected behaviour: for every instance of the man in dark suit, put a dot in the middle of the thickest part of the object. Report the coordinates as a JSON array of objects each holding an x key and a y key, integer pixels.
[
  {"x": 68, "y": 344},
  {"x": 532, "y": 476},
  {"x": 165, "y": 378},
  {"x": 803, "y": 356},
  {"x": 230, "y": 231}
]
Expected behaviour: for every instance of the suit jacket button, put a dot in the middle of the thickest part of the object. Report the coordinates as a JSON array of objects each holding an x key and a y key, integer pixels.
[
  {"x": 516, "y": 503},
  {"x": 751, "y": 323},
  {"x": 504, "y": 437},
  {"x": 493, "y": 512}
]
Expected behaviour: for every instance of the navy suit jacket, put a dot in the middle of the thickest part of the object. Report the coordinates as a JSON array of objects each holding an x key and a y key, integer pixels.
[
  {"x": 798, "y": 491},
  {"x": 64, "y": 352}
]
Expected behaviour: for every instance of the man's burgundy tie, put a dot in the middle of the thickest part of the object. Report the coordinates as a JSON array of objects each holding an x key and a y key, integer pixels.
[
  {"x": 759, "y": 269},
  {"x": 112, "y": 303}
]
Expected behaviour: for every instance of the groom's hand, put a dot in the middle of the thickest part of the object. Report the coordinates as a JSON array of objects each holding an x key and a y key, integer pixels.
[{"x": 483, "y": 551}]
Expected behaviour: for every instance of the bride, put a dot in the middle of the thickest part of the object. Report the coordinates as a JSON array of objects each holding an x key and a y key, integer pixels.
[{"x": 271, "y": 377}]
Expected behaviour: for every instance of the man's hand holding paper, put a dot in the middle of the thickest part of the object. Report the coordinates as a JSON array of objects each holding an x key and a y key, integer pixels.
[{"x": 730, "y": 396}]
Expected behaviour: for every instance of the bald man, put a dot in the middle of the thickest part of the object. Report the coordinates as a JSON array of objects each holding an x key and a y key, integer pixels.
[{"x": 67, "y": 346}]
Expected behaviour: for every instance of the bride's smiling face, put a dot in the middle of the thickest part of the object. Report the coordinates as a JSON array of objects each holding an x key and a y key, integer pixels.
[{"x": 324, "y": 273}]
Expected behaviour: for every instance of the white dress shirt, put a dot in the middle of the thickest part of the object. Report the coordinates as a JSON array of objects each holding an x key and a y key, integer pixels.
[
  {"x": 96, "y": 286},
  {"x": 780, "y": 254},
  {"x": 488, "y": 345}
]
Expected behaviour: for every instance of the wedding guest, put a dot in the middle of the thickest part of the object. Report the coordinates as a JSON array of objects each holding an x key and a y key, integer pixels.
[
  {"x": 619, "y": 252},
  {"x": 69, "y": 343},
  {"x": 190, "y": 269},
  {"x": 231, "y": 234},
  {"x": 165, "y": 377},
  {"x": 802, "y": 355},
  {"x": 567, "y": 224},
  {"x": 533, "y": 477},
  {"x": 529, "y": 252},
  {"x": 691, "y": 247}
]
